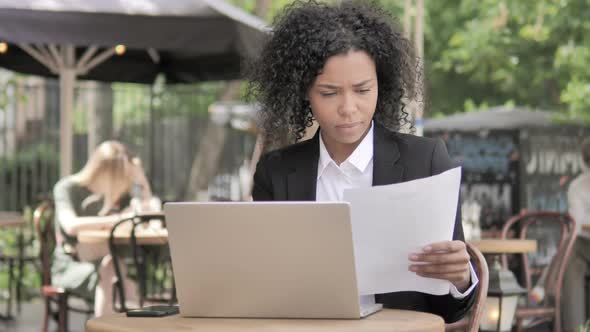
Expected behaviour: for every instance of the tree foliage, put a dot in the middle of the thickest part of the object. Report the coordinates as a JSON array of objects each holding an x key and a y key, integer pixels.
[
  {"x": 482, "y": 53},
  {"x": 490, "y": 52},
  {"x": 250, "y": 6},
  {"x": 7, "y": 83}
]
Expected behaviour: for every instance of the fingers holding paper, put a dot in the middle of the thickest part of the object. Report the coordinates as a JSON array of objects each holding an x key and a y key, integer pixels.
[{"x": 446, "y": 260}]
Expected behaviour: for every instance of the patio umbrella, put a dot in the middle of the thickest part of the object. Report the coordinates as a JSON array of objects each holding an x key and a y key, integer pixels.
[{"x": 124, "y": 41}]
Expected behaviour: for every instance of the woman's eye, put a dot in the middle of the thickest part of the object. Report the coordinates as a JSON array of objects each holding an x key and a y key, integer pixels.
[
  {"x": 363, "y": 91},
  {"x": 327, "y": 94}
]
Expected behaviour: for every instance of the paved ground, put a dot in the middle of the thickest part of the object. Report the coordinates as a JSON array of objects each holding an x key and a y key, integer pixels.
[{"x": 30, "y": 320}]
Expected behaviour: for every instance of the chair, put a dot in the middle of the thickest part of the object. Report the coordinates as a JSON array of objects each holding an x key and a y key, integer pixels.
[
  {"x": 151, "y": 266},
  {"x": 471, "y": 322},
  {"x": 43, "y": 221},
  {"x": 548, "y": 310}
]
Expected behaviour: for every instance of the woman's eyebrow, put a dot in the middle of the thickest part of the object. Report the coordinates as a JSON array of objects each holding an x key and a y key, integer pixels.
[
  {"x": 355, "y": 85},
  {"x": 328, "y": 86}
]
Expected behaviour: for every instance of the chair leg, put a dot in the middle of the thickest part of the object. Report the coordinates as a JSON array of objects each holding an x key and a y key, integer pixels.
[
  {"x": 21, "y": 263},
  {"x": 519, "y": 325},
  {"x": 10, "y": 287},
  {"x": 557, "y": 320},
  {"x": 19, "y": 284},
  {"x": 46, "y": 315},
  {"x": 63, "y": 313},
  {"x": 116, "y": 292}
]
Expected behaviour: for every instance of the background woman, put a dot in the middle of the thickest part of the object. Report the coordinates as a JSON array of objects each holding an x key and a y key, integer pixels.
[{"x": 95, "y": 198}]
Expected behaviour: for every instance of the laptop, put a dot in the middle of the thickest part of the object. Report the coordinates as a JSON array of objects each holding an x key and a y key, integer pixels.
[{"x": 264, "y": 260}]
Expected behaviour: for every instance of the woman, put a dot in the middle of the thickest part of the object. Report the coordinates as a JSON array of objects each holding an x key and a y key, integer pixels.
[
  {"x": 348, "y": 67},
  {"x": 95, "y": 198}
]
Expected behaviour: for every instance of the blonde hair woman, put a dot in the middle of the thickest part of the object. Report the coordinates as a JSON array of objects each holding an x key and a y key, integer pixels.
[{"x": 94, "y": 198}]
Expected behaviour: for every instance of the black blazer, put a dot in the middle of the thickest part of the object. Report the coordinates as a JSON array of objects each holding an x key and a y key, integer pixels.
[{"x": 290, "y": 174}]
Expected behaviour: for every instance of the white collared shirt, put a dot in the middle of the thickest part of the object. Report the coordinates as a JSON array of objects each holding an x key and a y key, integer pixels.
[{"x": 357, "y": 172}]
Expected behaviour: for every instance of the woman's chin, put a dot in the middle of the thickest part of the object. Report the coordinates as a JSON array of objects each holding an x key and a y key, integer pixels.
[{"x": 349, "y": 139}]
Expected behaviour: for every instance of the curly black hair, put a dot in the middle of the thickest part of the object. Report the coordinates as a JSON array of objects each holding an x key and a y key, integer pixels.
[{"x": 304, "y": 36}]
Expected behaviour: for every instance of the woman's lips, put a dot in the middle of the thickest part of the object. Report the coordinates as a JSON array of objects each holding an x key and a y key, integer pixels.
[{"x": 348, "y": 125}]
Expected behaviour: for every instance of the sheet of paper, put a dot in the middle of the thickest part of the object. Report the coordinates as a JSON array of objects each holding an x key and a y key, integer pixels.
[{"x": 391, "y": 222}]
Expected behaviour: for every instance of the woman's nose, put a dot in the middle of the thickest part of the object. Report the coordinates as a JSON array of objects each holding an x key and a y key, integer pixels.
[{"x": 348, "y": 105}]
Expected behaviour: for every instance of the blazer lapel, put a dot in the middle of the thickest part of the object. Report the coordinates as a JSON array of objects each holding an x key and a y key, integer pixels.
[
  {"x": 385, "y": 156},
  {"x": 302, "y": 178}
]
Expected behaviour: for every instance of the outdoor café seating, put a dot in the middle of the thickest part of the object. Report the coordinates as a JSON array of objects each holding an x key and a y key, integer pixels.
[
  {"x": 56, "y": 300},
  {"x": 149, "y": 262},
  {"x": 471, "y": 322},
  {"x": 549, "y": 275}
]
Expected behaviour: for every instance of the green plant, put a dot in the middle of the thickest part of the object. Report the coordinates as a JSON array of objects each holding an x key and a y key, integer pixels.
[
  {"x": 7, "y": 82},
  {"x": 9, "y": 246},
  {"x": 27, "y": 176},
  {"x": 584, "y": 328}
]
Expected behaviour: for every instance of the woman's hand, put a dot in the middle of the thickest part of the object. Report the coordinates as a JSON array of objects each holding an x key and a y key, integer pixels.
[{"x": 446, "y": 260}]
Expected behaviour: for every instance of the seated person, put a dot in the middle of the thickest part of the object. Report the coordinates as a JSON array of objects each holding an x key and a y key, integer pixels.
[
  {"x": 574, "y": 301},
  {"x": 95, "y": 198},
  {"x": 349, "y": 67}
]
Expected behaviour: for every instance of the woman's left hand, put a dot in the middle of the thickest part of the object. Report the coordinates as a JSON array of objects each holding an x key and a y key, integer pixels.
[{"x": 446, "y": 260}]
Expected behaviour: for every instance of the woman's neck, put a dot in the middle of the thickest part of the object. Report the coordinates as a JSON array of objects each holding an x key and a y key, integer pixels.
[{"x": 339, "y": 152}]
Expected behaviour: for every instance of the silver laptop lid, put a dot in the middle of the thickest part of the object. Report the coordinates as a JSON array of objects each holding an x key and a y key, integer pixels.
[{"x": 263, "y": 259}]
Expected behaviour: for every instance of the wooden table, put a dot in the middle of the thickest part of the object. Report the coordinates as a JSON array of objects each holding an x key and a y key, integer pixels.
[
  {"x": 586, "y": 227},
  {"x": 505, "y": 246},
  {"x": 144, "y": 236},
  {"x": 386, "y": 320},
  {"x": 11, "y": 219}
]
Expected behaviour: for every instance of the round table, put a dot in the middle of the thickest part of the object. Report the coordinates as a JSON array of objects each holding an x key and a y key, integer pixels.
[
  {"x": 505, "y": 246},
  {"x": 94, "y": 244},
  {"x": 386, "y": 320},
  {"x": 144, "y": 237}
]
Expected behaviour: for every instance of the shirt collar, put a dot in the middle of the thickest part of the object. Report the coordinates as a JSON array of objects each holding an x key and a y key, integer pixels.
[{"x": 360, "y": 157}]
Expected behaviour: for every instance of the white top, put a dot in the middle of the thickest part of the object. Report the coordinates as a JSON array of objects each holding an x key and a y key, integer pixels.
[
  {"x": 578, "y": 198},
  {"x": 357, "y": 172}
]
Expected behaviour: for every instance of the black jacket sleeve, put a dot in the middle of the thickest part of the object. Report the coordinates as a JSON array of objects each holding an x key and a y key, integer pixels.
[
  {"x": 447, "y": 306},
  {"x": 262, "y": 186}
]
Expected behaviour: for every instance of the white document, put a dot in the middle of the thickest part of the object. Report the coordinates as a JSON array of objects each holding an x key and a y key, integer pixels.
[{"x": 393, "y": 221}]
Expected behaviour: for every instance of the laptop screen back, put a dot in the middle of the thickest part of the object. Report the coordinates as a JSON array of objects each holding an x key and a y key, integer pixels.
[{"x": 263, "y": 259}]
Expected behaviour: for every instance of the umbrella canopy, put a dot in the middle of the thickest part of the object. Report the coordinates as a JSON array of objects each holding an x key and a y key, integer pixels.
[
  {"x": 187, "y": 40},
  {"x": 493, "y": 118},
  {"x": 124, "y": 41}
]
